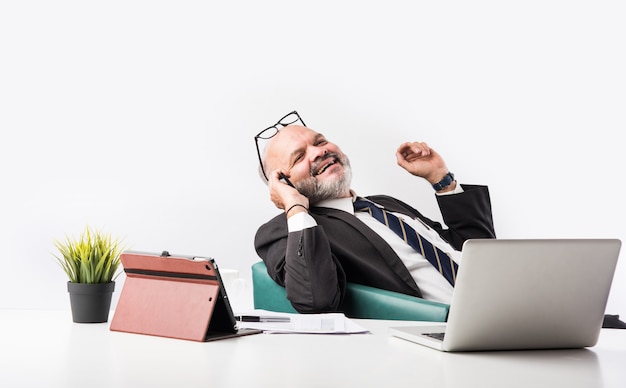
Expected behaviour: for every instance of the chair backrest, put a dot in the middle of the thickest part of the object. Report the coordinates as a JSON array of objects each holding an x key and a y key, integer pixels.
[{"x": 359, "y": 302}]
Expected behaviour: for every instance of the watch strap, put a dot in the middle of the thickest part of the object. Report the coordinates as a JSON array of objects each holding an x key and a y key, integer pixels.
[{"x": 445, "y": 182}]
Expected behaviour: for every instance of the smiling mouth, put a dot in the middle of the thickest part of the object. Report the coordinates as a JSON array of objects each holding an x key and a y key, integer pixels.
[{"x": 324, "y": 167}]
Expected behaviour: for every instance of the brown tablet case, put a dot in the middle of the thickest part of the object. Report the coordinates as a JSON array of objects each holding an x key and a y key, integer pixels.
[{"x": 174, "y": 296}]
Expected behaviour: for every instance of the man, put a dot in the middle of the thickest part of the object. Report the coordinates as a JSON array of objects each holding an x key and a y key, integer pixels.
[{"x": 320, "y": 242}]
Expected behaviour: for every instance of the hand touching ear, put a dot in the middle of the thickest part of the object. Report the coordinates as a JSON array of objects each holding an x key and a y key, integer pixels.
[{"x": 285, "y": 196}]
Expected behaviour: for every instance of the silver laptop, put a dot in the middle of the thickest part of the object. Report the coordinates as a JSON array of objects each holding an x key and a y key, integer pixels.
[{"x": 525, "y": 294}]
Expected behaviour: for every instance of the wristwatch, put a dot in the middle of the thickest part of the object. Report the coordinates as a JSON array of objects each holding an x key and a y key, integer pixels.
[{"x": 445, "y": 182}]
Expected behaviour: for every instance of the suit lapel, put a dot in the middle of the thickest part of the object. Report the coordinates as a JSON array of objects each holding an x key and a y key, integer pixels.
[{"x": 374, "y": 247}]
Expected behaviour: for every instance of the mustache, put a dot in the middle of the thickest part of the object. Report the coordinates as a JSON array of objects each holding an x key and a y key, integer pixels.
[{"x": 330, "y": 155}]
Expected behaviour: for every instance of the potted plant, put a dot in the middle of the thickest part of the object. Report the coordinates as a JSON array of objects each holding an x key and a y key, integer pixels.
[{"x": 91, "y": 263}]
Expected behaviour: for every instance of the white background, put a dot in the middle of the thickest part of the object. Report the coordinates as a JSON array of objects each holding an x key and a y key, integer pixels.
[{"x": 138, "y": 117}]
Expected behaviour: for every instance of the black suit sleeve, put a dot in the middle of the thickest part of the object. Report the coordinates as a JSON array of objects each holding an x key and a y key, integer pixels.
[
  {"x": 467, "y": 215},
  {"x": 302, "y": 263}
]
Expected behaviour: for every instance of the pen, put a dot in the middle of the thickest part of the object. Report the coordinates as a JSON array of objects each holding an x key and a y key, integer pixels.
[
  {"x": 284, "y": 178},
  {"x": 257, "y": 318}
]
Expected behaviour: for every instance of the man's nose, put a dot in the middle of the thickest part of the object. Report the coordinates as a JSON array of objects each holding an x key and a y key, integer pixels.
[{"x": 319, "y": 152}]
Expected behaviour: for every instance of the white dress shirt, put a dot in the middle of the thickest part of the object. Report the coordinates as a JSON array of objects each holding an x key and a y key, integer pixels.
[{"x": 432, "y": 284}]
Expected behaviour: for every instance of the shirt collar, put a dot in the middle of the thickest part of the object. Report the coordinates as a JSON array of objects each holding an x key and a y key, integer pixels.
[{"x": 344, "y": 204}]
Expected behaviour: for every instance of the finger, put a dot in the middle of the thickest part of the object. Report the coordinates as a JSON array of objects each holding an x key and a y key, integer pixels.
[
  {"x": 420, "y": 148},
  {"x": 274, "y": 180},
  {"x": 414, "y": 151},
  {"x": 404, "y": 149}
]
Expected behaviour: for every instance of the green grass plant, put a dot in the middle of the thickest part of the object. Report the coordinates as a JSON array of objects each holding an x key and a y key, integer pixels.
[{"x": 94, "y": 257}]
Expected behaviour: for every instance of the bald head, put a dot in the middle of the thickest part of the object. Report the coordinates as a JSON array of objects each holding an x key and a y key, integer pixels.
[{"x": 283, "y": 148}]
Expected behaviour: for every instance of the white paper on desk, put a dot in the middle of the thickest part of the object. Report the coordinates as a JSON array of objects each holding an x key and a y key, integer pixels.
[{"x": 330, "y": 323}]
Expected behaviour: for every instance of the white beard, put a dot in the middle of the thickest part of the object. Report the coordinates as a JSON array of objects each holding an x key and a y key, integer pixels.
[{"x": 318, "y": 191}]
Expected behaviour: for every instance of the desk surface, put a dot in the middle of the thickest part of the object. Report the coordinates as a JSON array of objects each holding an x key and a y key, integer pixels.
[{"x": 46, "y": 349}]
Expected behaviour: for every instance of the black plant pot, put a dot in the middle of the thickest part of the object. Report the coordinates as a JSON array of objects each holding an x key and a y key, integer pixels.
[{"x": 90, "y": 302}]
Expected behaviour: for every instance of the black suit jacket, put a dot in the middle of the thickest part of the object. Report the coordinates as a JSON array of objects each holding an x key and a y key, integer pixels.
[{"x": 314, "y": 264}]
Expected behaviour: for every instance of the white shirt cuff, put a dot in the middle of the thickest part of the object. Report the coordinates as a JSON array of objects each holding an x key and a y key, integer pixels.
[{"x": 300, "y": 221}]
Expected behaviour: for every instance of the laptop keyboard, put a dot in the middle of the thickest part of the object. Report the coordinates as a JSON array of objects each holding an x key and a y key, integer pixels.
[{"x": 437, "y": 336}]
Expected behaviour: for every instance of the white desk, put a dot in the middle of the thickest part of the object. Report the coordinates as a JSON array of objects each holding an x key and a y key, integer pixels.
[{"x": 46, "y": 349}]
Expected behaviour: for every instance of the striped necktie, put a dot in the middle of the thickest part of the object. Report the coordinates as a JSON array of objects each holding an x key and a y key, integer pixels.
[{"x": 435, "y": 256}]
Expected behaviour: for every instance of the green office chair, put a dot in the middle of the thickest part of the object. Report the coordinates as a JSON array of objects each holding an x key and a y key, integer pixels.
[{"x": 359, "y": 302}]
